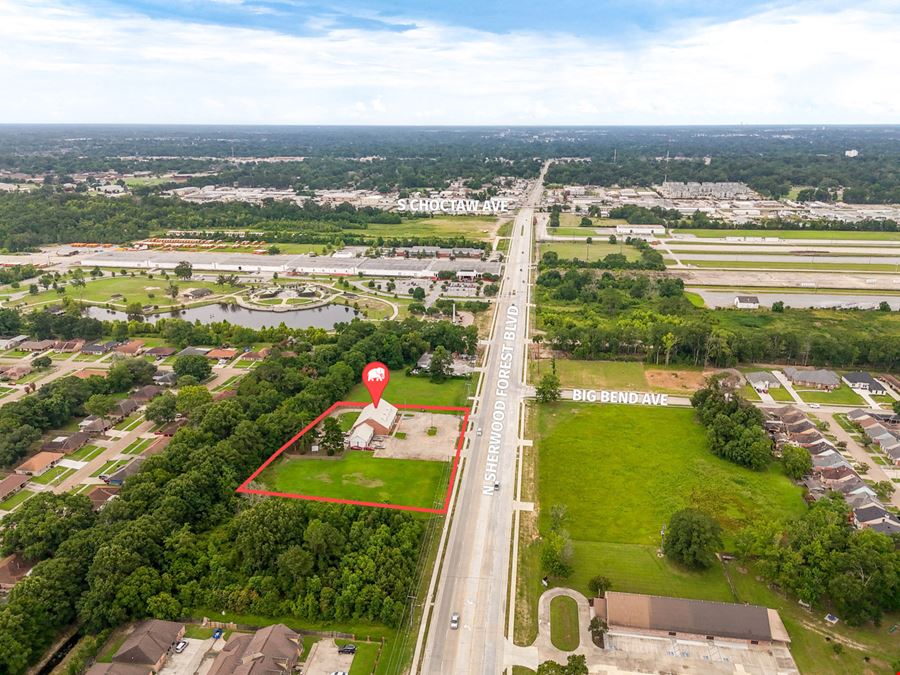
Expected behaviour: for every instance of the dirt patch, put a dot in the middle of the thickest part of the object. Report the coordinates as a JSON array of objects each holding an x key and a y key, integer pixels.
[
  {"x": 677, "y": 380},
  {"x": 360, "y": 480},
  {"x": 411, "y": 439}
]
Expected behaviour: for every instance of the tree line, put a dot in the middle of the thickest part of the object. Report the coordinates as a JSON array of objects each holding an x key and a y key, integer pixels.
[
  {"x": 734, "y": 426},
  {"x": 178, "y": 538}
]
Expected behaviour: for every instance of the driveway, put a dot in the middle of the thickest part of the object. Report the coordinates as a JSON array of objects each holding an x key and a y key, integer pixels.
[
  {"x": 324, "y": 659},
  {"x": 187, "y": 662}
]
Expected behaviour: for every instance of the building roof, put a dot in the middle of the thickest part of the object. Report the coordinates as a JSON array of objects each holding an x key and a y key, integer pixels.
[
  {"x": 861, "y": 377},
  {"x": 384, "y": 415},
  {"x": 273, "y": 649},
  {"x": 39, "y": 462},
  {"x": 818, "y": 376},
  {"x": 147, "y": 392},
  {"x": 67, "y": 443},
  {"x": 762, "y": 377},
  {"x": 101, "y": 494},
  {"x": 118, "y": 669},
  {"x": 361, "y": 436},
  {"x": 193, "y": 351},
  {"x": 161, "y": 351},
  {"x": 11, "y": 484},
  {"x": 130, "y": 347},
  {"x": 867, "y": 514},
  {"x": 149, "y": 641},
  {"x": 698, "y": 617},
  {"x": 13, "y": 568},
  {"x": 128, "y": 470},
  {"x": 857, "y": 414},
  {"x": 748, "y": 299},
  {"x": 887, "y": 527},
  {"x": 221, "y": 353}
]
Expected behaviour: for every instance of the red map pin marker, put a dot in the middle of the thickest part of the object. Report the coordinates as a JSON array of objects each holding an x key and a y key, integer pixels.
[{"x": 375, "y": 377}]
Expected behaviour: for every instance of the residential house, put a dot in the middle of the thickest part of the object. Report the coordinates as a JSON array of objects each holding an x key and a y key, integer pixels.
[
  {"x": 146, "y": 393},
  {"x": 888, "y": 527},
  {"x": 15, "y": 372},
  {"x": 39, "y": 463},
  {"x": 149, "y": 644},
  {"x": 120, "y": 476},
  {"x": 862, "y": 381},
  {"x": 130, "y": 348},
  {"x": 826, "y": 459},
  {"x": 193, "y": 351},
  {"x": 13, "y": 569},
  {"x": 256, "y": 356},
  {"x": 273, "y": 650},
  {"x": 221, "y": 353},
  {"x": 37, "y": 345},
  {"x": 118, "y": 669},
  {"x": 872, "y": 515},
  {"x": 97, "y": 348},
  {"x": 815, "y": 379},
  {"x": 11, "y": 485},
  {"x": 95, "y": 425},
  {"x": 68, "y": 346},
  {"x": 161, "y": 352},
  {"x": 102, "y": 494},
  {"x": 165, "y": 378},
  {"x": 762, "y": 380},
  {"x": 12, "y": 342},
  {"x": 171, "y": 428},
  {"x": 746, "y": 302},
  {"x": 858, "y": 415},
  {"x": 123, "y": 408},
  {"x": 67, "y": 444}
]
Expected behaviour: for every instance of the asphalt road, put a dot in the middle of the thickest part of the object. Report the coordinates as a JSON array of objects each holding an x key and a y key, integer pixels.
[{"x": 474, "y": 577}]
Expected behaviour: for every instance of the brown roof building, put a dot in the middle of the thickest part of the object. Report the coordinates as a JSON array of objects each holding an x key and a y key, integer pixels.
[
  {"x": 270, "y": 651},
  {"x": 132, "y": 348},
  {"x": 11, "y": 485},
  {"x": 69, "y": 443},
  {"x": 698, "y": 619},
  {"x": 221, "y": 353},
  {"x": 13, "y": 569},
  {"x": 35, "y": 466},
  {"x": 100, "y": 495},
  {"x": 149, "y": 644},
  {"x": 118, "y": 669}
]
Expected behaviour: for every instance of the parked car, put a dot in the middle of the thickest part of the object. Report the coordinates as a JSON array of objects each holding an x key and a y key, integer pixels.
[
  {"x": 496, "y": 486},
  {"x": 479, "y": 431},
  {"x": 347, "y": 649},
  {"x": 180, "y": 646},
  {"x": 217, "y": 633},
  {"x": 814, "y": 405},
  {"x": 454, "y": 621}
]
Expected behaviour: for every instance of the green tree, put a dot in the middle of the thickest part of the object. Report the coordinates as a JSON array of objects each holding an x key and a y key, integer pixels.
[
  {"x": 548, "y": 388},
  {"x": 556, "y": 554},
  {"x": 38, "y": 527},
  {"x": 575, "y": 665},
  {"x": 778, "y": 306},
  {"x": 192, "y": 401},
  {"x": 332, "y": 438},
  {"x": 441, "y": 364},
  {"x": 162, "y": 409},
  {"x": 884, "y": 489},
  {"x": 42, "y": 362},
  {"x": 692, "y": 538},
  {"x": 598, "y": 585},
  {"x": 100, "y": 404},
  {"x": 184, "y": 270},
  {"x": 796, "y": 460},
  {"x": 134, "y": 311},
  {"x": 194, "y": 365}
]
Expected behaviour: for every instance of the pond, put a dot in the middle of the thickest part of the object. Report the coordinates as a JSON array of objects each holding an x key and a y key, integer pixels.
[{"x": 320, "y": 317}]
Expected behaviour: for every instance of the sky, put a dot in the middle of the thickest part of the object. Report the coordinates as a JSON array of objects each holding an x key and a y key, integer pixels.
[{"x": 430, "y": 62}]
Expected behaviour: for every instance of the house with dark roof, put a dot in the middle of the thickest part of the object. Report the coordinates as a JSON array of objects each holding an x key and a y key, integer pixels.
[
  {"x": 166, "y": 378},
  {"x": 99, "y": 347},
  {"x": 149, "y": 644},
  {"x": 124, "y": 408},
  {"x": 272, "y": 650},
  {"x": 872, "y": 515},
  {"x": 656, "y": 616},
  {"x": 193, "y": 351},
  {"x": 67, "y": 444},
  {"x": 813, "y": 378},
  {"x": 118, "y": 669},
  {"x": 160, "y": 352},
  {"x": 37, "y": 345},
  {"x": 146, "y": 393},
  {"x": 94, "y": 425},
  {"x": 120, "y": 476},
  {"x": 746, "y": 302},
  {"x": 195, "y": 293},
  {"x": 862, "y": 381},
  {"x": 762, "y": 380},
  {"x": 130, "y": 348}
]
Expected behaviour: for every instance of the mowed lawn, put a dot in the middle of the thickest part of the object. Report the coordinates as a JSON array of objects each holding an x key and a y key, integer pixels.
[
  {"x": 359, "y": 476},
  {"x": 415, "y": 390},
  {"x": 478, "y": 228},
  {"x": 792, "y": 234},
  {"x": 622, "y": 471},
  {"x": 627, "y": 375},
  {"x": 843, "y": 395},
  {"x": 589, "y": 252}
]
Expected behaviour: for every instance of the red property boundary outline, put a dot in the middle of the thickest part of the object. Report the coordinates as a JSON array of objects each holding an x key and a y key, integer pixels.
[{"x": 242, "y": 488}]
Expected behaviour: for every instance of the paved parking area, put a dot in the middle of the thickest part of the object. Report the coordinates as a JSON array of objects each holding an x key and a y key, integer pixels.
[
  {"x": 324, "y": 659},
  {"x": 188, "y": 661},
  {"x": 418, "y": 444}
]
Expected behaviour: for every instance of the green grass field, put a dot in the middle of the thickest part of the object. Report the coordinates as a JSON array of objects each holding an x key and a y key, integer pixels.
[
  {"x": 415, "y": 390},
  {"x": 564, "y": 623},
  {"x": 793, "y": 234},
  {"x": 53, "y": 476},
  {"x": 478, "y": 228},
  {"x": 628, "y": 375},
  {"x": 360, "y": 476},
  {"x": 134, "y": 289},
  {"x": 137, "y": 446},
  {"x": 131, "y": 422},
  {"x": 646, "y": 475},
  {"x": 843, "y": 395},
  {"x": 86, "y": 453},
  {"x": 589, "y": 252},
  {"x": 781, "y": 395}
]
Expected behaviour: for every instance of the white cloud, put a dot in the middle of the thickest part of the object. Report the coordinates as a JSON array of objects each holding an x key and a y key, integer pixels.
[{"x": 59, "y": 64}]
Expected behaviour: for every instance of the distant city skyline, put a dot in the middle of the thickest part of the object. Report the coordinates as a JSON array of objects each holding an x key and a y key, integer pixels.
[{"x": 433, "y": 63}]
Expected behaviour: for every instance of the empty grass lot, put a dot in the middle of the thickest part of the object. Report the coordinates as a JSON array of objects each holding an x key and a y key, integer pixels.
[
  {"x": 478, "y": 228},
  {"x": 627, "y": 375},
  {"x": 564, "y": 623},
  {"x": 621, "y": 483},
  {"x": 833, "y": 267},
  {"x": 415, "y": 390},
  {"x": 361, "y": 477},
  {"x": 589, "y": 252}
]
